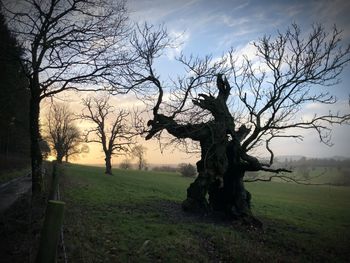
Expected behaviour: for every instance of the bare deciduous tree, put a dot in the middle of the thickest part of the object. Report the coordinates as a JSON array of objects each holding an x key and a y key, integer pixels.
[
  {"x": 76, "y": 147},
  {"x": 111, "y": 129},
  {"x": 139, "y": 153},
  {"x": 67, "y": 45},
  {"x": 125, "y": 164},
  {"x": 62, "y": 133},
  {"x": 230, "y": 108}
]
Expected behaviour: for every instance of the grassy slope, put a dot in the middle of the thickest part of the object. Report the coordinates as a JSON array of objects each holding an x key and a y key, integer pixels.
[{"x": 136, "y": 217}]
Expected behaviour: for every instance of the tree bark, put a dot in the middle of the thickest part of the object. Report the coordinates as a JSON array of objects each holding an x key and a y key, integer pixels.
[
  {"x": 220, "y": 176},
  {"x": 36, "y": 157},
  {"x": 60, "y": 155},
  {"x": 196, "y": 200},
  {"x": 108, "y": 164},
  {"x": 232, "y": 198},
  {"x": 211, "y": 169}
]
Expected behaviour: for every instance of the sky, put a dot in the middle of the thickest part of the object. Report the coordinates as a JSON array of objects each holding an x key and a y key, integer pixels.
[{"x": 213, "y": 27}]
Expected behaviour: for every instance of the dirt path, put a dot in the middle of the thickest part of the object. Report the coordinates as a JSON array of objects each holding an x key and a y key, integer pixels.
[{"x": 11, "y": 191}]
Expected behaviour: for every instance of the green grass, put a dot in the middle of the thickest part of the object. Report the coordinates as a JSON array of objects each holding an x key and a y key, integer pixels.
[
  {"x": 6, "y": 176},
  {"x": 317, "y": 175},
  {"x": 136, "y": 216}
]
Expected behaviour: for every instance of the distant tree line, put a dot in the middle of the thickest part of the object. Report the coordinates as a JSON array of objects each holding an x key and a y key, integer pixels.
[
  {"x": 315, "y": 162},
  {"x": 165, "y": 168},
  {"x": 185, "y": 169},
  {"x": 338, "y": 168},
  {"x": 329, "y": 171}
]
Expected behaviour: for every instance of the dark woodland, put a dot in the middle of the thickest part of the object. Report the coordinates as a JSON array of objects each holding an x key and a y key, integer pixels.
[{"x": 14, "y": 101}]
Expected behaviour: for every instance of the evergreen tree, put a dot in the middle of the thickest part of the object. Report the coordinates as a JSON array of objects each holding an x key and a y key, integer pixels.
[{"x": 14, "y": 100}]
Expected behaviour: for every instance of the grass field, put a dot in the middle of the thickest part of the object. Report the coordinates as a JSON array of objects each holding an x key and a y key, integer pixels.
[
  {"x": 6, "y": 176},
  {"x": 317, "y": 175},
  {"x": 136, "y": 216}
]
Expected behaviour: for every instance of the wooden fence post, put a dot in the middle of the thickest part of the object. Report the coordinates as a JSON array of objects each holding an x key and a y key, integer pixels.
[
  {"x": 50, "y": 232},
  {"x": 54, "y": 182}
]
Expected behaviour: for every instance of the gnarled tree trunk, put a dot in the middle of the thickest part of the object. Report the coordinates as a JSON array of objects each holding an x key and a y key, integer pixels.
[
  {"x": 219, "y": 185},
  {"x": 221, "y": 178}
]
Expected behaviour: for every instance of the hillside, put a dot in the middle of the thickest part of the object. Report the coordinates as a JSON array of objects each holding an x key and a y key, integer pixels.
[{"x": 135, "y": 216}]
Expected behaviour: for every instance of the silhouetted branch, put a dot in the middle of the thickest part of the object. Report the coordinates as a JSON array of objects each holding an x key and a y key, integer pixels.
[
  {"x": 281, "y": 84},
  {"x": 287, "y": 179}
]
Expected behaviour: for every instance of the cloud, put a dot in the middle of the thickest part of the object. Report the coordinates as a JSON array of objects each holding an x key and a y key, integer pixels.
[
  {"x": 341, "y": 105},
  {"x": 180, "y": 41},
  {"x": 233, "y": 21},
  {"x": 157, "y": 11}
]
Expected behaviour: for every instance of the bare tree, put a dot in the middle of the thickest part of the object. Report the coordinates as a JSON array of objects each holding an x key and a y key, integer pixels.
[
  {"x": 45, "y": 148},
  {"x": 76, "y": 147},
  {"x": 139, "y": 153},
  {"x": 113, "y": 133},
  {"x": 268, "y": 93},
  {"x": 125, "y": 164},
  {"x": 62, "y": 133},
  {"x": 68, "y": 44}
]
